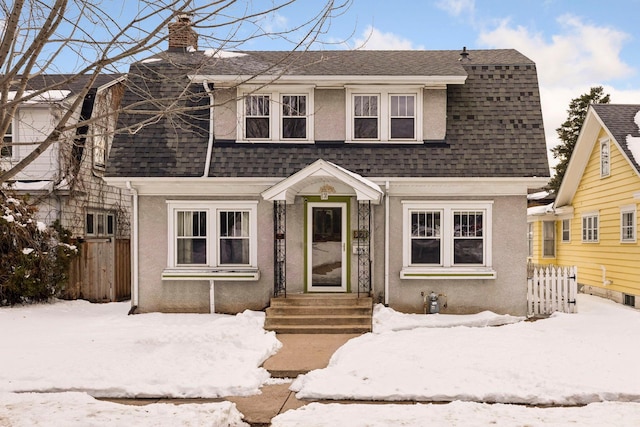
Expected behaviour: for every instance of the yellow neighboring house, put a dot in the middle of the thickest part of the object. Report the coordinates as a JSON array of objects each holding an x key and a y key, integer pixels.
[{"x": 593, "y": 222}]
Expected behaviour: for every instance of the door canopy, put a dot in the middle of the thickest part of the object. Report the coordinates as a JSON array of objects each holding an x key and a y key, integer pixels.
[{"x": 322, "y": 177}]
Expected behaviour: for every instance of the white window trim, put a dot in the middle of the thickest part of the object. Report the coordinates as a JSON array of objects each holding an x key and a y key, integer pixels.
[
  {"x": 582, "y": 218},
  {"x": 605, "y": 173},
  {"x": 447, "y": 270},
  {"x": 568, "y": 229},
  {"x": 212, "y": 269},
  {"x": 629, "y": 209},
  {"x": 105, "y": 214},
  {"x": 275, "y": 116},
  {"x": 384, "y": 112}
]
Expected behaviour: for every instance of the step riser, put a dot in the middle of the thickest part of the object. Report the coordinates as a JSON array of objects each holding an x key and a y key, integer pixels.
[
  {"x": 310, "y": 321},
  {"x": 320, "y": 330},
  {"x": 304, "y": 302},
  {"x": 319, "y": 314},
  {"x": 317, "y": 311}
]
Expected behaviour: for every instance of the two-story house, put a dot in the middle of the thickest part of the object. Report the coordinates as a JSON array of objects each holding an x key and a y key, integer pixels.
[
  {"x": 593, "y": 222},
  {"x": 385, "y": 173},
  {"x": 65, "y": 181}
]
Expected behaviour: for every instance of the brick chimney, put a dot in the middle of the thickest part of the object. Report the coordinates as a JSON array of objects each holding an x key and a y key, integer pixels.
[{"x": 181, "y": 34}]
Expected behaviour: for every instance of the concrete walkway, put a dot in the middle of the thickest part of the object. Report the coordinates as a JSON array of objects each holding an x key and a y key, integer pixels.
[{"x": 300, "y": 353}]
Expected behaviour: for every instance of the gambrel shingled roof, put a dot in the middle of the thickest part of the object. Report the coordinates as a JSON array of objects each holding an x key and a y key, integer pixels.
[
  {"x": 494, "y": 120},
  {"x": 619, "y": 120}
]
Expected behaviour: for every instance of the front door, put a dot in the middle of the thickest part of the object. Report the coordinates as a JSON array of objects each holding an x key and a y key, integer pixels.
[{"x": 326, "y": 247}]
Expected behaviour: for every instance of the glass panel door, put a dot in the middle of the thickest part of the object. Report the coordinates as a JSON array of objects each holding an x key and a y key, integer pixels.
[{"x": 326, "y": 254}]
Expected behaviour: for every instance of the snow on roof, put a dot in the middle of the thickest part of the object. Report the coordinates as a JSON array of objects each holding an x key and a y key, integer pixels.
[
  {"x": 222, "y": 54},
  {"x": 633, "y": 142},
  {"x": 29, "y": 185},
  {"x": 538, "y": 196},
  {"x": 540, "y": 210},
  {"x": 46, "y": 96}
]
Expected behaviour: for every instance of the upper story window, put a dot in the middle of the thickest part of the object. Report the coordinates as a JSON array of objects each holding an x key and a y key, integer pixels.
[
  {"x": 628, "y": 224},
  {"x": 365, "y": 116},
  {"x": 590, "y": 228},
  {"x": 403, "y": 117},
  {"x": 605, "y": 158},
  {"x": 100, "y": 151},
  {"x": 257, "y": 123},
  {"x": 212, "y": 234},
  {"x": 7, "y": 148},
  {"x": 375, "y": 114},
  {"x": 277, "y": 115}
]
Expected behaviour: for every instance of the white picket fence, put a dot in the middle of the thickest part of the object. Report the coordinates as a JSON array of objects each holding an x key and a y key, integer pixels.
[{"x": 550, "y": 289}]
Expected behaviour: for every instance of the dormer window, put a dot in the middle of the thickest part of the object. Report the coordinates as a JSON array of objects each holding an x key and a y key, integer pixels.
[
  {"x": 257, "y": 119},
  {"x": 385, "y": 115},
  {"x": 279, "y": 115}
]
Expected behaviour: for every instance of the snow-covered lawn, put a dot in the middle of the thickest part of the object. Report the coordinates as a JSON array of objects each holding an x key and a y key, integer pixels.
[
  {"x": 586, "y": 358},
  {"x": 567, "y": 359}
]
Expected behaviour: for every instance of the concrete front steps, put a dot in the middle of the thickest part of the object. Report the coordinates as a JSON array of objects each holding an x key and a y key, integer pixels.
[{"x": 320, "y": 314}]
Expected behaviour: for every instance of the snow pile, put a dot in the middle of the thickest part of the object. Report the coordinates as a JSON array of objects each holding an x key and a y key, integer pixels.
[
  {"x": 98, "y": 349},
  {"x": 79, "y": 409},
  {"x": 466, "y": 414},
  {"x": 633, "y": 142},
  {"x": 387, "y": 319},
  {"x": 566, "y": 359}
]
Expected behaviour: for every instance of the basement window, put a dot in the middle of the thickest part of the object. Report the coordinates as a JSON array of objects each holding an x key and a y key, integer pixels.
[{"x": 629, "y": 300}]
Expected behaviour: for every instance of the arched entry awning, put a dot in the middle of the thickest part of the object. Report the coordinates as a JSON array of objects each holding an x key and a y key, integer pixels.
[{"x": 319, "y": 176}]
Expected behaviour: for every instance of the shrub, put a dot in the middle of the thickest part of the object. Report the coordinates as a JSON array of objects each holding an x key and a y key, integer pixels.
[{"x": 34, "y": 258}]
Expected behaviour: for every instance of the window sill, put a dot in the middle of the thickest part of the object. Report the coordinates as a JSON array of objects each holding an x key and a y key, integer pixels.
[
  {"x": 210, "y": 274},
  {"x": 464, "y": 273}
]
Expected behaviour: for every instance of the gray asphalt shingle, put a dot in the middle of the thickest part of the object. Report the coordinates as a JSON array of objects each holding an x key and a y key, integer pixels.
[{"x": 494, "y": 121}]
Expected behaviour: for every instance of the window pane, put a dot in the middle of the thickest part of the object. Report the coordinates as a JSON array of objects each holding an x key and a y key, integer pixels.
[
  {"x": 425, "y": 251},
  {"x": 257, "y": 128},
  {"x": 89, "y": 224},
  {"x": 468, "y": 251},
  {"x": 294, "y": 128},
  {"x": 234, "y": 251},
  {"x": 192, "y": 251},
  {"x": 402, "y": 128},
  {"x": 365, "y": 129},
  {"x": 100, "y": 221},
  {"x": 110, "y": 225}
]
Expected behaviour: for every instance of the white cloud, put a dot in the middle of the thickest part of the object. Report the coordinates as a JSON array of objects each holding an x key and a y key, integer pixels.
[
  {"x": 457, "y": 7},
  {"x": 569, "y": 63},
  {"x": 374, "y": 39}
]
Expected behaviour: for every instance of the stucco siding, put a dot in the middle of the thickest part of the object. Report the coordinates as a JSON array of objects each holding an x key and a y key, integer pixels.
[
  {"x": 505, "y": 294},
  {"x": 609, "y": 259},
  {"x": 435, "y": 114},
  {"x": 225, "y": 113},
  {"x": 329, "y": 115}
]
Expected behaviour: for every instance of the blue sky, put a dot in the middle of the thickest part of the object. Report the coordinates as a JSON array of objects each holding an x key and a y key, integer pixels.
[{"x": 576, "y": 44}]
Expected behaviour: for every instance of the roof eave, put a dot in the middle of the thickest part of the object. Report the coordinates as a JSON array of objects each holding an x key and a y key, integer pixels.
[{"x": 328, "y": 80}]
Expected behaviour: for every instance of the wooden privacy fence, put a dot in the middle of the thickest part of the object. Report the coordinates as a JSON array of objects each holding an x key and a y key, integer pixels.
[
  {"x": 102, "y": 271},
  {"x": 551, "y": 288}
]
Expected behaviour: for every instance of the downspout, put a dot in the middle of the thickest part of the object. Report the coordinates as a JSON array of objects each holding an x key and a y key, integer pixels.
[
  {"x": 207, "y": 164},
  {"x": 386, "y": 244},
  {"x": 134, "y": 248}
]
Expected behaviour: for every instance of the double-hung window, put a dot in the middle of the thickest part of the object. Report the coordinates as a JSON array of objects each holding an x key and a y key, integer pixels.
[
  {"x": 628, "y": 224},
  {"x": 294, "y": 116},
  {"x": 402, "y": 116},
  {"x": 566, "y": 230},
  {"x": 365, "y": 117},
  {"x": 548, "y": 238},
  {"x": 281, "y": 114},
  {"x": 7, "y": 148},
  {"x": 212, "y": 234},
  {"x": 257, "y": 119},
  {"x": 447, "y": 240},
  {"x": 590, "y": 228},
  {"x": 381, "y": 114}
]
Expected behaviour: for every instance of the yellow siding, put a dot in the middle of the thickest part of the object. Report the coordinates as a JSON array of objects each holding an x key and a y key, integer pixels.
[
  {"x": 605, "y": 196},
  {"x": 538, "y": 257}
]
